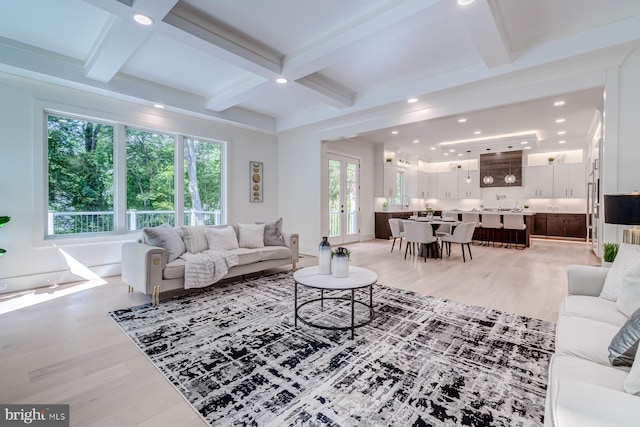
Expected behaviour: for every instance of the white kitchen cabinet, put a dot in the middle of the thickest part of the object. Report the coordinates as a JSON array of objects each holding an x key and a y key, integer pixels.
[
  {"x": 447, "y": 185},
  {"x": 469, "y": 190},
  {"x": 538, "y": 182},
  {"x": 569, "y": 180},
  {"x": 426, "y": 185}
]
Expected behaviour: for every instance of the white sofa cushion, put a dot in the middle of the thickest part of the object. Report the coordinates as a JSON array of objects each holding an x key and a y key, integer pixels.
[
  {"x": 174, "y": 269},
  {"x": 195, "y": 238},
  {"x": 164, "y": 236},
  {"x": 251, "y": 236},
  {"x": 247, "y": 256},
  {"x": 584, "y": 338},
  {"x": 627, "y": 257},
  {"x": 275, "y": 252},
  {"x": 629, "y": 298},
  {"x": 222, "y": 239},
  {"x": 592, "y": 308},
  {"x": 564, "y": 366}
]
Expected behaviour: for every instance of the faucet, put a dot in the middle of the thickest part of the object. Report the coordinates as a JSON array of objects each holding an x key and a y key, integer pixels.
[{"x": 406, "y": 202}]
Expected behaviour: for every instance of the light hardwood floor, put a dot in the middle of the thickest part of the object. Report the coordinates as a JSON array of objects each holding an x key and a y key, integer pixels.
[{"x": 67, "y": 350}]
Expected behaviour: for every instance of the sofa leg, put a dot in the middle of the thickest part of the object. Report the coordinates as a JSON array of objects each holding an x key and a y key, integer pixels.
[
  {"x": 294, "y": 266},
  {"x": 130, "y": 289},
  {"x": 155, "y": 297}
]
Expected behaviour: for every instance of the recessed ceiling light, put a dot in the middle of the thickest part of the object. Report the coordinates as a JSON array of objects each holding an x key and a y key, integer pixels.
[
  {"x": 462, "y": 120},
  {"x": 412, "y": 100},
  {"x": 465, "y": 2},
  {"x": 524, "y": 142},
  {"x": 394, "y": 132},
  {"x": 560, "y": 120},
  {"x": 446, "y": 154},
  {"x": 158, "y": 105},
  {"x": 452, "y": 150},
  {"x": 460, "y": 154},
  {"x": 562, "y": 132},
  {"x": 415, "y": 141},
  {"x": 562, "y": 141},
  {"x": 527, "y": 148},
  {"x": 477, "y": 132},
  {"x": 433, "y": 148},
  {"x": 281, "y": 80},
  {"x": 142, "y": 19},
  {"x": 558, "y": 103}
]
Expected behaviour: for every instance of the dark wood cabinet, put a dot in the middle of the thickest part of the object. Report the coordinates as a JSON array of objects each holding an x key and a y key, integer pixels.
[
  {"x": 566, "y": 225},
  {"x": 540, "y": 224},
  {"x": 383, "y": 231}
]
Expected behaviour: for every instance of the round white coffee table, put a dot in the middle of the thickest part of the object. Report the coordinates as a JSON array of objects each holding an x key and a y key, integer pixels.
[{"x": 358, "y": 278}]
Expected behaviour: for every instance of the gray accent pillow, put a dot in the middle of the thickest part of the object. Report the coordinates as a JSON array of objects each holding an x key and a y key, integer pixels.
[
  {"x": 195, "y": 238},
  {"x": 623, "y": 347},
  {"x": 166, "y": 237},
  {"x": 273, "y": 233}
]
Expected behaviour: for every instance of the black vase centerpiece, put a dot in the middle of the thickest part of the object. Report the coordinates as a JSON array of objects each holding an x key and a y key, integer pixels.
[
  {"x": 340, "y": 263},
  {"x": 324, "y": 256}
]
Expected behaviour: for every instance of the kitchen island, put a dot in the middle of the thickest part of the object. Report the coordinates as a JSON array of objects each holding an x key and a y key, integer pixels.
[{"x": 522, "y": 237}]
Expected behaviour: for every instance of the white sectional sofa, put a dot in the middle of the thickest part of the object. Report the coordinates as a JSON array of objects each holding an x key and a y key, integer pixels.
[
  {"x": 153, "y": 269},
  {"x": 584, "y": 388}
]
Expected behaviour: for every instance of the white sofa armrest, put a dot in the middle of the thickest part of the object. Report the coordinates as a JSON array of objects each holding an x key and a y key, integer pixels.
[
  {"x": 578, "y": 403},
  {"x": 585, "y": 279},
  {"x": 142, "y": 266},
  {"x": 291, "y": 240}
]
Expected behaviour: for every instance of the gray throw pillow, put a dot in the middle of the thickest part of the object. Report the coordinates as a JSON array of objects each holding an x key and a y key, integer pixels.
[
  {"x": 273, "y": 233},
  {"x": 624, "y": 344},
  {"x": 165, "y": 236}
]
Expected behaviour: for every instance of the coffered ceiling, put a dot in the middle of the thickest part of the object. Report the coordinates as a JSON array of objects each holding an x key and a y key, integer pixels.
[{"x": 342, "y": 59}]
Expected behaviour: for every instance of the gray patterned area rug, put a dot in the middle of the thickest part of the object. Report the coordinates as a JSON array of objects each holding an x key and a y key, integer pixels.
[{"x": 234, "y": 354}]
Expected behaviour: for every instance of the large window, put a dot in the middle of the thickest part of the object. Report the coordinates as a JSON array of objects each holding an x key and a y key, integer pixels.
[
  {"x": 87, "y": 194},
  {"x": 80, "y": 171},
  {"x": 149, "y": 179},
  {"x": 202, "y": 182}
]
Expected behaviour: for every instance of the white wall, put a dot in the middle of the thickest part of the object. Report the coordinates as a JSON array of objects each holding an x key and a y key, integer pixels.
[{"x": 31, "y": 261}]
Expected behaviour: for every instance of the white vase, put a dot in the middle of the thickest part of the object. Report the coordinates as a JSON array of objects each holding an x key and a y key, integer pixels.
[
  {"x": 340, "y": 264},
  {"x": 324, "y": 256}
]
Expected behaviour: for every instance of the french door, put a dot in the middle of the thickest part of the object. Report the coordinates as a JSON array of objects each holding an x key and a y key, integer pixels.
[{"x": 344, "y": 203}]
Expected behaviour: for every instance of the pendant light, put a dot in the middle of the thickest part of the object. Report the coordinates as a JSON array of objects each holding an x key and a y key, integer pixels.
[
  {"x": 468, "y": 177},
  {"x": 488, "y": 179},
  {"x": 511, "y": 178}
]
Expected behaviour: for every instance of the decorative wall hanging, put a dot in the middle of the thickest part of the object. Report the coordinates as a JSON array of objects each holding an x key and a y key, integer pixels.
[{"x": 256, "y": 181}]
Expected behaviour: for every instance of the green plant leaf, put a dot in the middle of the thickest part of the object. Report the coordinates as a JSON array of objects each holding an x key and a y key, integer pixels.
[{"x": 4, "y": 220}]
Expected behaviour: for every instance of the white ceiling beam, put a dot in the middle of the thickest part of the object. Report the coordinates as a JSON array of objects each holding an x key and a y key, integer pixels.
[
  {"x": 328, "y": 91},
  {"x": 487, "y": 30},
  {"x": 124, "y": 36},
  {"x": 235, "y": 94},
  {"x": 231, "y": 47},
  {"x": 17, "y": 59}
]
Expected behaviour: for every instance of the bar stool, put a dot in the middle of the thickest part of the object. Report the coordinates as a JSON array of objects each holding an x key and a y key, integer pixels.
[
  {"x": 514, "y": 223},
  {"x": 491, "y": 221},
  {"x": 472, "y": 217}
]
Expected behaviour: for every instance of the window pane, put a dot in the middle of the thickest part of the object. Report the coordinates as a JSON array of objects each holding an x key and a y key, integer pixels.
[
  {"x": 80, "y": 176},
  {"x": 202, "y": 182},
  {"x": 150, "y": 182}
]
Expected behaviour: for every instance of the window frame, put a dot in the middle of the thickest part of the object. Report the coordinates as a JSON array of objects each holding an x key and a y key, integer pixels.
[{"x": 120, "y": 232}]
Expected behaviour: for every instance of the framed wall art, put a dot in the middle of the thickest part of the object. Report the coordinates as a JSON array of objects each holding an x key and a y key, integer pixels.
[{"x": 256, "y": 181}]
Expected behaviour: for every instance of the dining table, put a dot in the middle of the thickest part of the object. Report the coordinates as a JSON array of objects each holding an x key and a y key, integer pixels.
[{"x": 439, "y": 221}]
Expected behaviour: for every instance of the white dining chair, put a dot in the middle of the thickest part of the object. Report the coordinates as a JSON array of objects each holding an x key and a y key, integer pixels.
[
  {"x": 397, "y": 231},
  {"x": 420, "y": 233},
  {"x": 462, "y": 234},
  {"x": 491, "y": 221},
  {"x": 473, "y": 217},
  {"x": 514, "y": 223}
]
